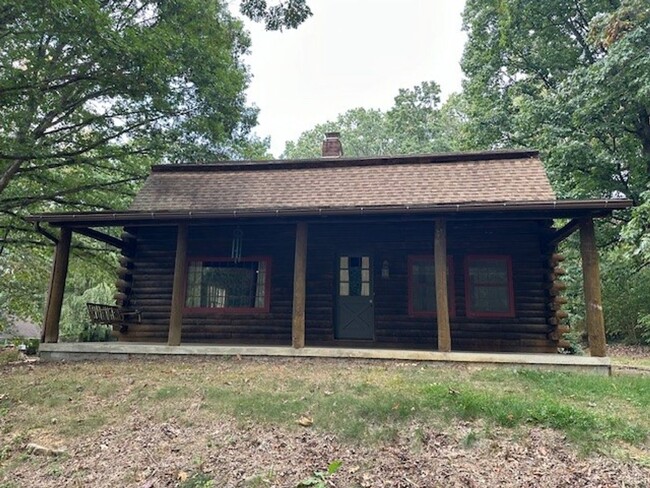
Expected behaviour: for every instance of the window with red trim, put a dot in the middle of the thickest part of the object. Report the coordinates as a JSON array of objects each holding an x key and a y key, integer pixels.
[
  {"x": 488, "y": 286},
  {"x": 228, "y": 285},
  {"x": 422, "y": 286}
]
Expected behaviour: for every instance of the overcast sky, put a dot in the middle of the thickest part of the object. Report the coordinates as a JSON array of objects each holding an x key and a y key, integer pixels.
[{"x": 350, "y": 53}]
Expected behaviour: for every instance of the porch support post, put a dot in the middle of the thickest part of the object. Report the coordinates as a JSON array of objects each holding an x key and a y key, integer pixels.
[
  {"x": 178, "y": 290},
  {"x": 591, "y": 278},
  {"x": 57, "y": 287},
  {"x": 442, "y": 309},
  {"x": 299, "y": 287}
]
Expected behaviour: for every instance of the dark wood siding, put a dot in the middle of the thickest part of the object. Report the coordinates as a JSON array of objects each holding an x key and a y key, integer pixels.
[
  {"x": 390, "y": 241},
  {"x": 152, "y": 285}
]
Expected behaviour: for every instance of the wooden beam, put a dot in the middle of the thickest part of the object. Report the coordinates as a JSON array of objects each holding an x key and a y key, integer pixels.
[
  {"x": 299, "y": 287},
  {"x": 564, "y": 232},
  {"x": 57, "y": 287},
  {"x": 593, "y": 301},
  {"x": 442, "y": 309},
  {"x": 101, "y": 236},
  {"x": 178, "y": 289}
]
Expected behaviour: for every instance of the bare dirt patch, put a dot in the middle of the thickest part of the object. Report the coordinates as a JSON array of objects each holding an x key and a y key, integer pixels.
[{"x": 139, "y": 453}]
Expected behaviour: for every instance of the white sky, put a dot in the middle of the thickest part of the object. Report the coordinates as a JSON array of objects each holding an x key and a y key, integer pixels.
[{"x": 350, "y": 53}]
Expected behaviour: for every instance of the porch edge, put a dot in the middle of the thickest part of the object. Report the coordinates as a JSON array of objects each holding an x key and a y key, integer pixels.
[{"x": 110, "y": 350}]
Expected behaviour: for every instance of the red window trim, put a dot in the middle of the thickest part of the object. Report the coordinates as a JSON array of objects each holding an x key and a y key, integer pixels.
[
  {"x": 451, "y": 298},
  {"x": 511, "y": 293},
  {"x": 231, "y": 310}
]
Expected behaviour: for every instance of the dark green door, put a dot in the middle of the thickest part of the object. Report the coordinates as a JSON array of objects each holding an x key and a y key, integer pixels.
[{"x": 355, "y": 317}]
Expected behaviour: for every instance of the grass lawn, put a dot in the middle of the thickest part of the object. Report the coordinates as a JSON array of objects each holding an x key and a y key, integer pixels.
[{"x": 356, "y": 403}]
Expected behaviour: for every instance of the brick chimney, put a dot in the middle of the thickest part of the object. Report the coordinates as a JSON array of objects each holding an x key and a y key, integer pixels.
[{"x": 332, "y": 147}]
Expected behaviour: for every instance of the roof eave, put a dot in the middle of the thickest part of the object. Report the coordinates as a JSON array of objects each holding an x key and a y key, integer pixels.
[{"x": 553, "y": 208}]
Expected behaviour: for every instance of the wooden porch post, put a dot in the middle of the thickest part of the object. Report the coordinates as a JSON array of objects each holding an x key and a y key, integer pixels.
[
  {"x": 440, "y": 261},
  {"x": 591, "y": 278},
  {"x": 299, "y": 287},
  {"x": 178, "y": 290},
  {"x": 57, "y": 287}
]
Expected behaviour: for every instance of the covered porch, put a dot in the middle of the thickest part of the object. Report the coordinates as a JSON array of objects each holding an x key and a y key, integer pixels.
[{"x": 442, "y": 321}]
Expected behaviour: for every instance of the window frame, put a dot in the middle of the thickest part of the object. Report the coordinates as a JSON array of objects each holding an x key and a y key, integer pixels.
[
  {"x": 451, "y": 288},
  {"x": 230, "y": 310},
  {"x": 510, "y": 313}
]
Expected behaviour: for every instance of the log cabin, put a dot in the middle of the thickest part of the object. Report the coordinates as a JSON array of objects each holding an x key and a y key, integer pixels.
[{"x": 439, "y": 252}]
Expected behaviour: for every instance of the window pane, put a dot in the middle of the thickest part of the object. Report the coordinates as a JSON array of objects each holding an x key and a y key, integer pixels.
[
  {"x": 489, "y": 271},
  {"x": 490, "y": 299},
  {"x": 355, "y": 280},
  {"x": 365, "y": 289},
  {"x": 343, "y": 263},
  {"x": 344, "y": 289},
  {"x": 423, "y": 287},
  {"x": 365, "y": 262},
  {"x": 345, "y": 275},
  {"x": 226, "y": 284},
  {"x": 489, "y": 286}
]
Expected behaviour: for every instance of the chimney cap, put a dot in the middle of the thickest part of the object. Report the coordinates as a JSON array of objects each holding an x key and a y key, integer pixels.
[{"x": 332, "y": 147}]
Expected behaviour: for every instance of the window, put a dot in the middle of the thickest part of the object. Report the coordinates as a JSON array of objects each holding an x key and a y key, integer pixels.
[
  {"x": 225, "y": 285},
  {"x": 488, "y": 286},
  {"x": 354, "y": 276},
  {"x": 422, "y": 286}
]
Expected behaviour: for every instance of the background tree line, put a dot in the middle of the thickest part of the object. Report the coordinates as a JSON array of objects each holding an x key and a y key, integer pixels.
[{"x": 93, "y": 92}]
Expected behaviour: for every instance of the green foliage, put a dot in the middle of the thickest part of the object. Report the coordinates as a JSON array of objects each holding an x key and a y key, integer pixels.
[
  {"x": 319, "y": 478},
  {"x": 276, "y": 17},
  {"x": 571, "y": 79},
  {"x": 625, "y": 298},
  {"x": 415, "y": 124},
  {"x": 75, "y": 322},
  {"x": 9, "y": 356},
  {"x": 30, "y": 344},
  {"x": 198, "y": 480},
  {"x": 93, "y": 93}
]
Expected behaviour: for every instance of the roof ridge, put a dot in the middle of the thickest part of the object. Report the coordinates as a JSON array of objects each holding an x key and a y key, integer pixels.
[{"x": 345, "y": 162}]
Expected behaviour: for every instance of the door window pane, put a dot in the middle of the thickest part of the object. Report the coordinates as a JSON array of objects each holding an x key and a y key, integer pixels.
[{"x": 354, "y": 276}]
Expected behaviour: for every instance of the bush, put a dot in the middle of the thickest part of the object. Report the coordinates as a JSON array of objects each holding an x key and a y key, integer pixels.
[{"x": 625, "y": 300}]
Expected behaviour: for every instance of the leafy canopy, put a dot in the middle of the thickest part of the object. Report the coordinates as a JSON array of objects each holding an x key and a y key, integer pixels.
[
  {"x": 416, "y": 123},
  {"x": 93, "y": 92}
]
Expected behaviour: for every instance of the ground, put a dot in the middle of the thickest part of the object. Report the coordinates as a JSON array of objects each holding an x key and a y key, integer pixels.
[{"x": 276, "y": 422}]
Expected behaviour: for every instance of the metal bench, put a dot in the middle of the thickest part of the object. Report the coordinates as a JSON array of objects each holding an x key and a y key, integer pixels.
[{"x": 112, "y": 315}]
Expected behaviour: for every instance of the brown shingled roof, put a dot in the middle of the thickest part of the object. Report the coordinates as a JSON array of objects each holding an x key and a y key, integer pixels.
[{"x": 502, "y": 176}]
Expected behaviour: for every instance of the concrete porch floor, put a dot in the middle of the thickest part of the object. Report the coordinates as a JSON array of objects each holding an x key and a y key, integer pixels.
[{"x": 79, "y": 351}]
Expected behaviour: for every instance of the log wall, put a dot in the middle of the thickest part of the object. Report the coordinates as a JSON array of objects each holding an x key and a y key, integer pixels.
[{"x": 529, "y": 331}]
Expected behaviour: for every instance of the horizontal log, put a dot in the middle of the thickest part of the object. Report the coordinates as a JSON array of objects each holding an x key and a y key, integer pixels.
[
  {"x": 126, "y": 262},
  {"x": 123, "y": 284},
  {"x": 556, "y": 258}
]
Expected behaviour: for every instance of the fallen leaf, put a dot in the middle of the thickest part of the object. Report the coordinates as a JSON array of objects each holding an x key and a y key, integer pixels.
[{"x": 305, "y": 421}]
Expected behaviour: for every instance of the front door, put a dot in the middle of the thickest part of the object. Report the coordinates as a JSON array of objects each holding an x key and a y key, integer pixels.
[{"x": 355, "y": 318}]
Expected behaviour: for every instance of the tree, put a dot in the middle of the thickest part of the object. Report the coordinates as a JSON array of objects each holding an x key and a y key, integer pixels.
[
  {"x": 415, "y": 123},
  {"x": 571, "y": 79},
  {"x": 92, "y": 92},
  {"x": 276, "y": 17}
]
